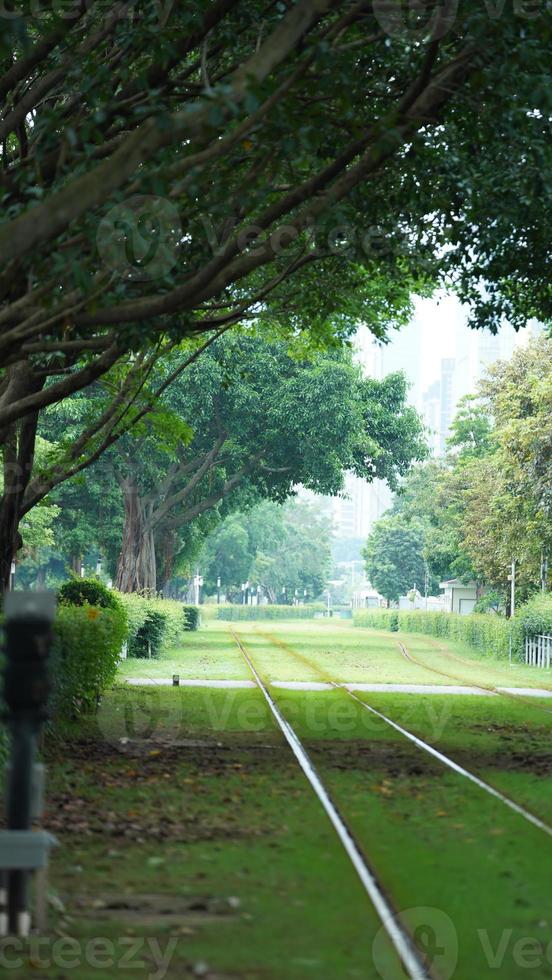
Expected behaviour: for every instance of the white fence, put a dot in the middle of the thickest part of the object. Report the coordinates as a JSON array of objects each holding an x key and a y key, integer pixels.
[{"x": 538, "y": 650}]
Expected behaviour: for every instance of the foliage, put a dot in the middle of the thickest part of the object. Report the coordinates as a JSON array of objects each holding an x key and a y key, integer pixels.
[
  {"x": 251, "y": 421},
  {"x": 491, "y": 601},
  {"x": 394, "y": 557},
  {"x": 489, "y": 501},
  {"x": 92, "y": 592},
  {"x": 85, "y": 655},
  {"x": 273, "y": 546},
  {"x": 155, "y": 624},
  {"x": 509, "y": 503},
  {"x": 191, "y": 618},
  {"x": 487, "y": 633},
  {"x": 535, "y": 616},
  {"x": 470, "y": 434},
  {"x": 234, "y": 613},
  {"x": 322, "y": 162}
]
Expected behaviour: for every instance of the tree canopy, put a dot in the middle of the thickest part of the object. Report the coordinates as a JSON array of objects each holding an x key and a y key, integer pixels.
[
  {"x": 169, "y": 170},
  {"x": 394, "y": 557},
  {"x": 489, "y": 502},
  {"x": 249, "y": 422}
]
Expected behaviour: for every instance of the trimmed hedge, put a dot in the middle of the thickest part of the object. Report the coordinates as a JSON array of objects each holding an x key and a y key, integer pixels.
[
  {"x": 85, "y": 656},
  {"x": 88, "y": 591},
  {"x": 487, "y": 633},
  {"x": 156, "y": 624},
  {"x": 238, "y": 612},
  {"x": 191, "y": 617}
]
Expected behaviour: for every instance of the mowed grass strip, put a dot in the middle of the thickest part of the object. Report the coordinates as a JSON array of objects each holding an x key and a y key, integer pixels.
[
  {"x": 206, "y": 654},
  {"x": 505, "y": 740},
  {"x": 338, "y": 651}
]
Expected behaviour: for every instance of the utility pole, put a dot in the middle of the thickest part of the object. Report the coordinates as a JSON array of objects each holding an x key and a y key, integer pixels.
[
  {"x": 544, "y": 571},
  {"x": 198, "y": 582}
]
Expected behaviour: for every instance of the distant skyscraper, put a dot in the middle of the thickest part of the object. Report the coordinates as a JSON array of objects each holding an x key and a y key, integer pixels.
[
  {"x": 447, "y": 403},
  {"x": 431, "y": 413},
  {"x": 443, "y": 359}
]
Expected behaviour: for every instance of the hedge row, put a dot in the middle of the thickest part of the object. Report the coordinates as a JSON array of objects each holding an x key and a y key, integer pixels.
[
  {"x": 85, "y": 656},
  {"x": 154, "y": 624},
  {"x": 490, "y": 634},
  {"x": 92, "y": 625},
  {"x": 487, "y": 633},
  {"x": 239, "y": 612}
]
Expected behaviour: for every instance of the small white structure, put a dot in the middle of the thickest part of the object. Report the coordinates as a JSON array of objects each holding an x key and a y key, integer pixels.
[
  {"x": 430, "y": 603},
  {"x": 367, "y": 598},
  {"x": 459, "y": 597}
]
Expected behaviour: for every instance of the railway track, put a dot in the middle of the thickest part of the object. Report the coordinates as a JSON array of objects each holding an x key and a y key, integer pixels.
[
  {"x": 418, "y": 742},
  {"x": 410, "y": 956},
  {"x": 488, "y": 688}
]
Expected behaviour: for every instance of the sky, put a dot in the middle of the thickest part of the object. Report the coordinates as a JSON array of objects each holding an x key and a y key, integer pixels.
[{"x": 438, "y": 330}]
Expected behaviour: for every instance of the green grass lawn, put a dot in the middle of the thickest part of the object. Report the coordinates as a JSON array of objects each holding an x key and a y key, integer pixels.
[
  {"x": 348, "y": 653},
  {"x": 184, "y": 819}
]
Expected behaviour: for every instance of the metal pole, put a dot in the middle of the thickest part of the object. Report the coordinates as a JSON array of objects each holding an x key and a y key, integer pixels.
[
  {"x": 29, "y": 619},
  {"x": 218, "y": 590},
  {"x": 513, "y": 589}
]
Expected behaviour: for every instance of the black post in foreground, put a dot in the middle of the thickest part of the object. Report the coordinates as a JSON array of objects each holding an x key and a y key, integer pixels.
[{"x": 28, "y": 629}]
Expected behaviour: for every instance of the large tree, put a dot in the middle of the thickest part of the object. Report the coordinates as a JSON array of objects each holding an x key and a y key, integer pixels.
[
  {"x": 171, "y": 169},
  {"x": 508, "y": 503},
  {"x": 394, "y": 557},
  {"x": 252, "y": 422}
]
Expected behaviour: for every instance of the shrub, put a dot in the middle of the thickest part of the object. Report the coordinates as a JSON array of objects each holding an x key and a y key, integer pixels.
[
  {"x": 88, "y": 591},
  {"x": 535, "y": 617},
  {"x": 156, "y": 624},
  {"x": 85, "y": 655},
  {"x": 269, "y": 612},
  {"x": 376, "y": 619},
  {"x": 191, "y": 617}
]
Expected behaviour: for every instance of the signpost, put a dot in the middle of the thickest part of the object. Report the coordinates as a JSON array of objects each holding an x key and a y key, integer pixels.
[{"x": 28, "y": 627}]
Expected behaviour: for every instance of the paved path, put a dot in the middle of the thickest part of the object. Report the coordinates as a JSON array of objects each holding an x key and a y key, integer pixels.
[{"x": 531, "y": 692}]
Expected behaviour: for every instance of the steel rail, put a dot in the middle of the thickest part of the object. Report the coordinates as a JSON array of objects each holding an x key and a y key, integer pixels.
[
  {"x": 489, "y": 689},
  {"x": 400, "y": 938},
  {"x": 419, "y": 742}
]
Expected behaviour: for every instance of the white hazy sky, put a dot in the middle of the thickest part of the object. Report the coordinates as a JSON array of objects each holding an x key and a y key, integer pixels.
[{"x": 439, "y": 329}]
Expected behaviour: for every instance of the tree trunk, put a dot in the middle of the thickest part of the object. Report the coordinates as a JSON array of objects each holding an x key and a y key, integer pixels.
[
  {"x": 18, "y": 442},
  {"x": 10, "y": 540},
  {"x": 136, "y": 569},
  {"x": 167, "y": 560},
  {"x": 75, "y": 564}
]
